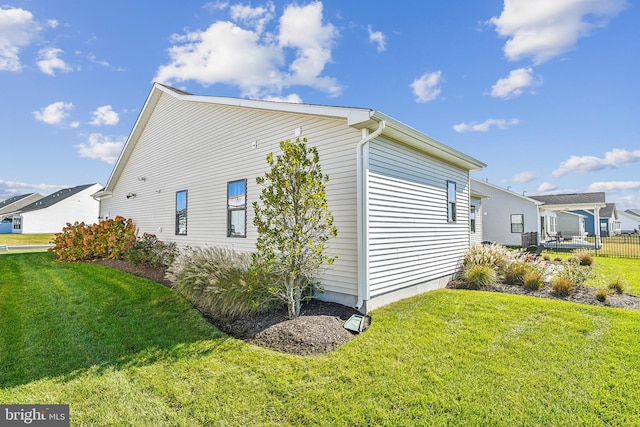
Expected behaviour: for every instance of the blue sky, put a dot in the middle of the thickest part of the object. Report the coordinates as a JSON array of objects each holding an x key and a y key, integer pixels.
[{"x": 545, "y": 92}]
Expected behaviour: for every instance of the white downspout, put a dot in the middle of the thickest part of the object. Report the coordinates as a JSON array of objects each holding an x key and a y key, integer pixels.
[{"x": 363, "y": 213}]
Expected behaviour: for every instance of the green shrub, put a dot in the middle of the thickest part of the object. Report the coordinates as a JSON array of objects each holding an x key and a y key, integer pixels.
[
  {"x": 494, "y": 255},
  {"x": 480, "y": 275},
  {"x": 574, "y": 272},
  {"x": 618, "y": 285},
  {"x": 514, "y": 272},
  {"x": 601, "y": 295},
  {"x": 557, "y": 259},
  {"x": 106, "y": 239},
  {"x": 561, "y": 286},
  {"x": 220, "y": 282},
  {"x": 546, "y": 257},
  {"x": 148, "y": 250},
  {"x": 533, "y": 280}
]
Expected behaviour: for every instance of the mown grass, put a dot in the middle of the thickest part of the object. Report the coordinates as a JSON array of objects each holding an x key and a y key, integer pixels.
[
  {"x": 608, "y": 269},
  {"x": 126, "y": 351},
  {"x": 26, "y": 239}
]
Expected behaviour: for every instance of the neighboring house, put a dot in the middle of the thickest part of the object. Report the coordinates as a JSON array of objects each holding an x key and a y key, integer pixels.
[
  {"x": 506, "y": 214},
  {"x": 629, "y": 221},
  {"x": 609, "y": 221},
  {"x": 400, "y": 199},
  {"x": 571, "y": 224},
  {"x": 50, "y": 214},
  {"x": 476, "y": 213},
  {"x": 10, "y": 206},
  {"x": 579, "y": 203}
]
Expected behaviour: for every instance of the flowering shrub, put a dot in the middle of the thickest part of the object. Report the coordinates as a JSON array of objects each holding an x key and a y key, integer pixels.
[
  {"x": 107, "y": 239},
  {"x": 149, "y": 250}
]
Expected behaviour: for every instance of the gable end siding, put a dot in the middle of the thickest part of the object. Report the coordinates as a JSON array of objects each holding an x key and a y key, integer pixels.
[{"x": 199, "y": 147}]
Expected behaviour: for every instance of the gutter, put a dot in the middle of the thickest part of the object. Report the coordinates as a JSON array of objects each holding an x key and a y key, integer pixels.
[{"x": 363, "y": 213}]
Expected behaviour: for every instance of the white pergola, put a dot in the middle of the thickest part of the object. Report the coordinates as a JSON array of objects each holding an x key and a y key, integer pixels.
[{"x": 580, "y": 206}]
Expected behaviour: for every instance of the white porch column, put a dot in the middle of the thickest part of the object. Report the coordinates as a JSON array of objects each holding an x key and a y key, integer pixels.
[{"x": 596, "y": 225}]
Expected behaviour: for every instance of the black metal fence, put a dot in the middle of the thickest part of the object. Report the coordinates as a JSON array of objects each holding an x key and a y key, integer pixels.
[{"x": 623, "y": 246}]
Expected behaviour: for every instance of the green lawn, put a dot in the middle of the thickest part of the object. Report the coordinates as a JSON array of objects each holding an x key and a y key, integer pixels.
[
  {"x": 609, "y": 269},
  {"x": 26, "y": 239},
  {"x": 126, "y": 351}
]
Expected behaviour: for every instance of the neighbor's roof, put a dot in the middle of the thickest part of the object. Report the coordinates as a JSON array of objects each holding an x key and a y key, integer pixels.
[
  {"x": 359, "y": 118},
  {"x": 569, "y": 199},
  {"x": 12, "y": 200},
  {"x": 54, "y": 198},
  {"x": 475, "y": 183},
  {"x": 635, "y": 212},
  {"x": 607, "y": 211}
]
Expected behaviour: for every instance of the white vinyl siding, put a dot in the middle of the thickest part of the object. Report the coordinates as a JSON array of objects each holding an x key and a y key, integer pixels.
[
  {"x": 201, "y": 147},
  {"x": 411, "y": 241}
]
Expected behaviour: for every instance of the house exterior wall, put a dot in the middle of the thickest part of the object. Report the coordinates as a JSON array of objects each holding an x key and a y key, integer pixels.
[
  {"x": 476, "y": 236},
  {"x": 200, "y": 147},
  {"x": 497, "y": 211},
  {"x": 411, "y": 243},
  {"x": 628, "y": 222},
  {"x": 80, "y": 207},
  {"x": 570, "y": 224}
]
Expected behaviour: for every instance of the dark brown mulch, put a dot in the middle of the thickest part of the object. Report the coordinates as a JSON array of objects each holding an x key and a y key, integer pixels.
[
  {"x": 318, "y": 330},
  {"x": 582, "y": 294}
]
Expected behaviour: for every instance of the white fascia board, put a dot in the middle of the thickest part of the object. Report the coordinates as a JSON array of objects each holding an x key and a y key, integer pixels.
[
  {"x": 509, "y": 192},
  {"x": 412, "y": 137},
  {"x": 353, "y": 115}
]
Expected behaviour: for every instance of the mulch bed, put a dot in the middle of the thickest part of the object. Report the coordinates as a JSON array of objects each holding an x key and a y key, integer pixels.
[
  {"x": 318, "y": 330},
  {"x": 582, "y": 294}
]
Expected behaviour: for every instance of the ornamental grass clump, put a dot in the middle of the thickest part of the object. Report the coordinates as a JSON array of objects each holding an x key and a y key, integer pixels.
[
  {"x": 221, "y": 282},
  {"x": 618, "y": 285},
  {"x": 493, "y": 255},
  {"x": 561, "y": 286},
  {"x": 480, "y": 276},
  {"x": 533, "y": 280},
  {"x": 515, "y": 272},
  {"x": 601, "y": 295},
  {"x": 584, "y": 258}
]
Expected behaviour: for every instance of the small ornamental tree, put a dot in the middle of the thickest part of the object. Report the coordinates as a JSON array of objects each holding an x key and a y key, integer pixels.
[{"x": 293, "y": 222}]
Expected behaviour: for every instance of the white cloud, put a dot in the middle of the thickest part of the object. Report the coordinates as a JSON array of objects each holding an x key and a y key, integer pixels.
[
  {"x": 515, "y": 84},
  {"x": 212, "y": 6},
  {"x": 293, "y": 98},
  {"x": 49, "y": 61},
  {"x": 256, "y": 17},
  {"x": 301, "y": 28},
  {"x": 105, "y": 116},
  {"x": 18, "y": 29},
  {"x": 54, "y": 114},
  {"x": 256, "y": 61},
  {"x": 101, "y": 147},
  {"x": 485, "y": 126},
  {"x": 377, "y": 38},
  {"x": 13, "y": 188},
  {"x": 522, "y": 177},
  {"x": 427, "y": 87},
  {"x": 614, "y": 186},
  {"x": 546, "y": 187},
  {"x": 583, "y": 164},
  {"x": 544, "y": 29}
]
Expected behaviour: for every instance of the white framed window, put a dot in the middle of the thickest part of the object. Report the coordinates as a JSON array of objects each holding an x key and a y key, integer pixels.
[
  {"x": 517, "y": 223},
  {"x": 237, "y": 208},
  {"x": 181, "y": 213},
  {"x": 451, "y": 201}
]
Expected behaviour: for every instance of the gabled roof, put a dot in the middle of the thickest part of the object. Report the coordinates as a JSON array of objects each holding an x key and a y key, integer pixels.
[
  {"x": 12, "y": 200},
  {"x": 634, "y": 212},
  {"x": 475, "y": 182},
  {"x": 54, "y": 198},
  {"x": 608, "y": 211},
  {"x": 14, "y": 204},
  {"x": 359, "y": 118},
  {"x": 570, "y": 199}
]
